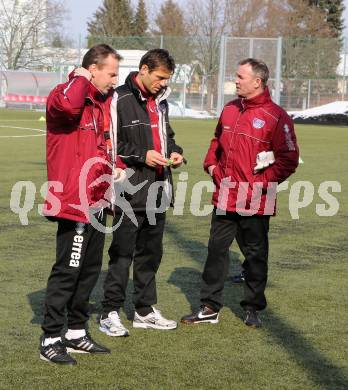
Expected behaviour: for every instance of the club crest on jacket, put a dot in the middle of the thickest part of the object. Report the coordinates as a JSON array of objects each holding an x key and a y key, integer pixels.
[{"x": 258, "y": 123}]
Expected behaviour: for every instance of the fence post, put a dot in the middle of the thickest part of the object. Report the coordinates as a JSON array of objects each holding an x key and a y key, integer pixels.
[
  {"x": 251, "y": 47},
  {"x": 161, "y": 42},
  {"x": 345, "y": 50},
  {"x": 202, "y": 92},
  {"x": 309, "y": 92},
  {"x": 79, "y": 51},
  {"x": 37, "y": 87},
  {"x": 221, "y": 78},
  {"x": 278, "y": 74},
  {"x": 0, "y": 86},
  {"x": 184, "y": 94}
]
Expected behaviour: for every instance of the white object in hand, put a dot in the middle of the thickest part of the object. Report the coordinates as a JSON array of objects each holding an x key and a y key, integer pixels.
[
  {"x": 119, "y": 176},
  {"x": 263, "y": 160}
]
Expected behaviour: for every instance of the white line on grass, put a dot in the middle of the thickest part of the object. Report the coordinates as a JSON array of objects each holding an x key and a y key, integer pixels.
[{"x": 22, "y": 128}]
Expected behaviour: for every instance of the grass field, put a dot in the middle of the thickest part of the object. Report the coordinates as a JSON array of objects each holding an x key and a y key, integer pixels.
[{"x": 303, "y": 343}]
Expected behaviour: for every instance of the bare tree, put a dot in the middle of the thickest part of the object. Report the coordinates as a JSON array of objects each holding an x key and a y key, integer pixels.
[
  {"x": 270, "y": 18},
  {"x": 26, "y": 28},
  {"x": 207, "y": 23},
  {"x": 246, "y": 17}
]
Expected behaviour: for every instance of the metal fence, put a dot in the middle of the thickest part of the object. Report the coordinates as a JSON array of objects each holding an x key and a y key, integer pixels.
[{"x": 304, "y": 72}]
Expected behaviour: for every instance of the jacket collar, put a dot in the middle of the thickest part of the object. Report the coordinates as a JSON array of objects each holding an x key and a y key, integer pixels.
[
  {"x": 256, "y": 101},
  {"x": 95, "y": 95},
  {"x": 131, "y": 84}
]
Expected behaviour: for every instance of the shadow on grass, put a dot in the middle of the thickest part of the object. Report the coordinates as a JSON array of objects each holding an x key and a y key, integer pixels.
[
  {"x": 189, "y": 279},
  {"x": 319, "y": 368},
  {"x": 37, "y": 298}
]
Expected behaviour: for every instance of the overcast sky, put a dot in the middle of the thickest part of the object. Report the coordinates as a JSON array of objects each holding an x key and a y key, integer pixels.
[{"x": 82, "y": 10}]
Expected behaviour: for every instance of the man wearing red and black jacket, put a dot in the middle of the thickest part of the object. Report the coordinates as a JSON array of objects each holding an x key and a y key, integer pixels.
[
  {"x": 146, "y": 145},
  {"x": 253, "y": 150},
  {"x": 78, "y": 117}
]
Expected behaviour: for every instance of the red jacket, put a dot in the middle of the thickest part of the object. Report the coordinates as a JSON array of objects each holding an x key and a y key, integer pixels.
[
  {"x": 77, "y": 115},
  {"x": 247, "y": 127}
]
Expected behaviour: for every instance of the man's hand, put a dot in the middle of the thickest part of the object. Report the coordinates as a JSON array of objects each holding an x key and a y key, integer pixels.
[
  {"x": 211, "y": 169},
  {"x": 83, "y": 72},
  {"x": 153, "y": 158},
  {"x": 119, "y": 175},
  {"x": 177, "y": 159}
]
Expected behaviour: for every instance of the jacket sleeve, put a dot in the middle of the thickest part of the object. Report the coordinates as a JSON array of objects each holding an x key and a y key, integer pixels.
[
  {"x": 66, "y": 104},
  {"x": 120, "y": 163},
  {"x": 213, "y": 154},
  {"x": 285, "y": 149},
  {"x": 171, "y": 145}
]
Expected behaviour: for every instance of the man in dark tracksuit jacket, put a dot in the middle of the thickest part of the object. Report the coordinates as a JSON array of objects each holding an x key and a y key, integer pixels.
[{"x": 146, "y": 144}]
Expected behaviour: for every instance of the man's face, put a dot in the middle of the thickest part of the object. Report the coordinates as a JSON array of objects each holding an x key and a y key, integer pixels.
[
  {"x": 155, "y": 80},
  {"x": 247, "y": 83},
  {"x": 105, "y": 75}
]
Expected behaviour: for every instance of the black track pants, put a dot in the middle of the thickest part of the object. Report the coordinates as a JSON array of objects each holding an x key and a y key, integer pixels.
[
  {"x": 78, "y": 262},
  {"x": 141, "y": 245},
  {"x": 253, "y": 231}
]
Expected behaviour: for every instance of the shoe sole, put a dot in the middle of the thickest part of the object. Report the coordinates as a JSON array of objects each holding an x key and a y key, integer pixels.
[
  {"x": 72, "y": 350},
  {"x": 253, "y": 326},
  {"x": 108, "y": 333},
  {"x": 200, "y": 322},
  {"x": 141, "y": 325},
  {"x": 50, "y": 361}
]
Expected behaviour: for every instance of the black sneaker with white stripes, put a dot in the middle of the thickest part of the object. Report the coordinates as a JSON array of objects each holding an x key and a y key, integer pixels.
[
  {"x": 55, "y": 353},
  {"x": 204, "y": 315},
  {"x": 84, "y": 344}
]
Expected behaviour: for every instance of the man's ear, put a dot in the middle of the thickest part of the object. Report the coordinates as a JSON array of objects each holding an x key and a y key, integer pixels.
[
  {"x": 92, "y": 69},
  {"x": 258, "y": 83},
  {"x": 143, "y": 70}
]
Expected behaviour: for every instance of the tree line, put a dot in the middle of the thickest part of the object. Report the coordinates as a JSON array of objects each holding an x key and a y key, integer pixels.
[
  {"x": 312, "y": 31},
  {"x": 240, "y": 18}
]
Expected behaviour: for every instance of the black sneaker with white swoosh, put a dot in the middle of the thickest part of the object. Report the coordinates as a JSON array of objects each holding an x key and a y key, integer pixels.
[
  {"x": 55, "y": 353},
  {"x": 84, "y": 344},
  {"x": 204, "y": 315},
  {"x": 252, "y": 319}
]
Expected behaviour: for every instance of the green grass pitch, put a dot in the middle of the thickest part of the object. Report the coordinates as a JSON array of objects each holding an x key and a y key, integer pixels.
[{"x": 303, "y": 343}]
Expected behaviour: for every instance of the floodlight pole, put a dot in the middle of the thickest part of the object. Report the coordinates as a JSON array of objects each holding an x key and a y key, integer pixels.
[
  {"x": 278, "y": 74},
  {"x": 221, "y": 79}
]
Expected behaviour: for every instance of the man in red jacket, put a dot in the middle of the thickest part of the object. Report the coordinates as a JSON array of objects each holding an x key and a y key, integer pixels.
[
  {"x": 253, "y": 150},
  {"x": 78, "y": 117}
]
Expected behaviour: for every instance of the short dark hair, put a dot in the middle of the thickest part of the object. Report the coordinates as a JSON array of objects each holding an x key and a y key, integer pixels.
[
  {"x": 259, "y": 68},
  {"x": 157, "y": 57},
  {"x": 97, "y": 54}
]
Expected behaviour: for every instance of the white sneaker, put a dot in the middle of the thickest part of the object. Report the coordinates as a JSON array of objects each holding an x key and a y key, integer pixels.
[
  {"x": 153, "y": 320},
  {"x": 112, "y": 325}
]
